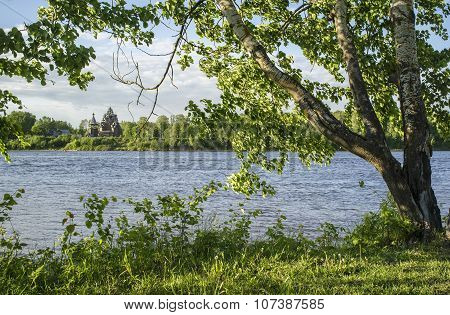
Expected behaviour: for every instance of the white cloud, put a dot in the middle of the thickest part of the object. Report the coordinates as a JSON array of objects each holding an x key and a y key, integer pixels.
[{"x": 62, "y": 101}]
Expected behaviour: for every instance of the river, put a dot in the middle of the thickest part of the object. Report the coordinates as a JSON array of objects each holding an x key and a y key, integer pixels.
[{"x": 54, "y": 180}]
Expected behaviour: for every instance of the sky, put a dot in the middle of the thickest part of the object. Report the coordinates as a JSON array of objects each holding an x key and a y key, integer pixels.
[{"x": 64, "y": 102}]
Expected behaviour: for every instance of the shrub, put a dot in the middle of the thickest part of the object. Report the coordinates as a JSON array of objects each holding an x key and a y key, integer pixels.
[
  {"x": 38, "y": 142},
  {"x": 59, "y": 142},
  {"x": 9, "y": 242},
  {"x": 383, "y": 228},
  {"x": 330, "y": 235}
]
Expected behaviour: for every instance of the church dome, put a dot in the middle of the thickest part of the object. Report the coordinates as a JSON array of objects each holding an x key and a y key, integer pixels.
[{"x": 93, "y": 121}]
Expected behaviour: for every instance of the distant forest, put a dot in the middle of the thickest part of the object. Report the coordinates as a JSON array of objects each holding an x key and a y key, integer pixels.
[{"x": 177, "y": 132}]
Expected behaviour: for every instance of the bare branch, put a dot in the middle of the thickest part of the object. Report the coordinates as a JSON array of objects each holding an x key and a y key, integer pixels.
[
  {"x": 155, "y": 101},
  {"x": 129, "y": 111},
  {"x": 154, "y": 55},
  {"x": 302, "y": 8},
  {"x": 168, "y": 70}
]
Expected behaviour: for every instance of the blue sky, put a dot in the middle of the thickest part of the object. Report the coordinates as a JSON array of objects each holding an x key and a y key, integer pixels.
[{"x": 69, "y": 103}]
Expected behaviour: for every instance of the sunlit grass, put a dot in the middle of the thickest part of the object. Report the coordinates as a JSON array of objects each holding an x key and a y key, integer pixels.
[{"x": 255, "y": 269}]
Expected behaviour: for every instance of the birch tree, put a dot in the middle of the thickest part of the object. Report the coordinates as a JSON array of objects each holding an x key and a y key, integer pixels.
[{"x": 410, "y": 183}]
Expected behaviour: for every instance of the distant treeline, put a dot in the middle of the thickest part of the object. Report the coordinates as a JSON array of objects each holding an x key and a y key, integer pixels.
[{"x": 177, "y": 132}]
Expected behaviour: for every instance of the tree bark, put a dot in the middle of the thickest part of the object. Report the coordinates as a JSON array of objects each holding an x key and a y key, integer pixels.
[
  {"x": 417, "y": 151},
  {"x": 395, "y": 178},
  {"x": 357, "y": 84}
]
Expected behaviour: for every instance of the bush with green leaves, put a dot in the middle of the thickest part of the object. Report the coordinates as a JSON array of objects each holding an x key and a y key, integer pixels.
[
  {"x": 331, "y": 235},
  {"x": 171, "y": 218},
  {"x": 59, "y": 142},
  {"x": 383, "y": 228}
]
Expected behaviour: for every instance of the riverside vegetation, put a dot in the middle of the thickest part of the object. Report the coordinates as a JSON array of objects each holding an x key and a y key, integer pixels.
[
  {"x": 177, "y": 132},
  {"x": 166, "y": 248}
]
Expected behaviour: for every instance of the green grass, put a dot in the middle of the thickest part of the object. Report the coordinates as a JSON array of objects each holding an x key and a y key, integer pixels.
[{"x": 263, "y": 267}]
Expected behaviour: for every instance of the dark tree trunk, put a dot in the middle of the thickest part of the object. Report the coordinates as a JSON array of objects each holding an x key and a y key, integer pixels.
[
  {"x": 411, "y": 189},
  {"x": 397, "y": 183},
  {"x": 418, "y": 172}
]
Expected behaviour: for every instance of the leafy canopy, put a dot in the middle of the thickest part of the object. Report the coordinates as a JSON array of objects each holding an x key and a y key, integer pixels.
[
  {"x": 312, "y": 33},
  {"x": 23, "y": 120}
]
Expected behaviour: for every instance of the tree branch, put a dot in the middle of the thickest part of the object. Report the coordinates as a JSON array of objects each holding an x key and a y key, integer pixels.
[
  {"x": 168, "y": 71},
  {"x": 316, "y": 112},
  {"x": 300, "y": 9},
  {"x": 357, "y": 84}
]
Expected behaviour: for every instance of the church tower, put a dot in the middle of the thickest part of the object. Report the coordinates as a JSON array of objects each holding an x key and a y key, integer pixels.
[{"x": 93, "y": 127}]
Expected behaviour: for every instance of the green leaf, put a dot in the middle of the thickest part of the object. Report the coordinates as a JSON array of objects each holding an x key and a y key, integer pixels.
[{"x": 70, "y": 228}]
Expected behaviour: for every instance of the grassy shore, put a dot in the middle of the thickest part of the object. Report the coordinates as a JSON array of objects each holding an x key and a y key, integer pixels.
[
  {"x": 170, "y": 252},
  {"x": 259, "y": 268}
]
